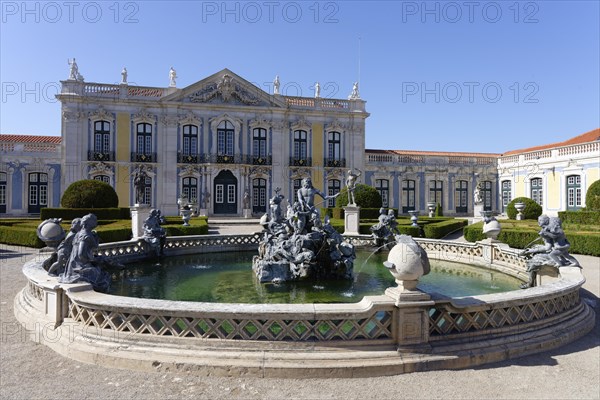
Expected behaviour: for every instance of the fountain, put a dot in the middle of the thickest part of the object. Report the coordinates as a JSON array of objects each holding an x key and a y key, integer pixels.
[
  {"x": 300, "y": 246},
  {"x": 402, "y": 329}
]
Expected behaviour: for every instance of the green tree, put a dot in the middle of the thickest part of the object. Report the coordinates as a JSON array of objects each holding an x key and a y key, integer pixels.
[
  {"x": 89, "y": 193},
  {"x": 365, "y": 195}
]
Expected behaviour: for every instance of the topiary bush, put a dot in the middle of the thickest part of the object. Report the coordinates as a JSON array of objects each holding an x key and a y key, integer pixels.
[
  {"x": 366, "y": 197},
  {"x": 592, "y": 197},
  {"x": 89, "y": 193},
  {"x": 532, "y": 209}
]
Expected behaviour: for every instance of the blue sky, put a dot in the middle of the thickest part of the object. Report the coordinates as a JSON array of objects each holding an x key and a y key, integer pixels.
[{"x": 477, "y": 76}]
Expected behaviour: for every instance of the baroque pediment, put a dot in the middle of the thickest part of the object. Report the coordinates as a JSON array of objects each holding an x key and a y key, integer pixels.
[{"x": 225, "y": 87}]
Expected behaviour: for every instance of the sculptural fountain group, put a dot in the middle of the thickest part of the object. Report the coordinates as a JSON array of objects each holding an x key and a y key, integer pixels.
[{"x": 299, "y": 245}]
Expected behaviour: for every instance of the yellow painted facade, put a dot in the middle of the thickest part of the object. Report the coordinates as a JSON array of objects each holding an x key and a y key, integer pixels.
[
  {"x": 519, "y": 188},
  {"x": 122, "y": 178},
  {"x": 317, "y": 155},
  {"x": 593, "y": 174},
  {"x": 553, "y": 192}
]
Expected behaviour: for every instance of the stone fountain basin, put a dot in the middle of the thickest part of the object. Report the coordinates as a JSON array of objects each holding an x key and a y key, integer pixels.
[{"x": 376, "y": 336}]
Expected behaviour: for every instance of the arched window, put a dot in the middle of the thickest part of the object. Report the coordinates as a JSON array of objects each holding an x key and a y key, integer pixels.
[
  {"x": 143, "y": 143},
  {"x": 486, "y": 194},
  {"x": 573, "y": 192},
  {"x": 383, "y": 187},
  {"x": 259, "y": 195},
  {"x": 537, "y": 191},
  {"x": 189, "y": 188}
]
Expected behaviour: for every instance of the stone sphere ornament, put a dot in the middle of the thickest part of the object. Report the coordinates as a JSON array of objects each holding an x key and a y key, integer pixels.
[
  {"x": 407, "y": 262},
  {"x": 50, "y": 232}
]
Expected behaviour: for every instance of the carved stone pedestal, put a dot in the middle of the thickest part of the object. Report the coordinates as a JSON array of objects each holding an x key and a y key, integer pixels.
[
  {"x": 412, "y": 329},
  {"x": 203, "y": 212},
  {"x": 477, "y": 210},
  {"x": 351, "y": 220},
  {"x": 247, "y": 213},
  {"x": 139, "y": 213}
]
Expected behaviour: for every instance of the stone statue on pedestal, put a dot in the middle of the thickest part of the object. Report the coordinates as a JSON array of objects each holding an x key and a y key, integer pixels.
[{"x": 554, "y": 253}]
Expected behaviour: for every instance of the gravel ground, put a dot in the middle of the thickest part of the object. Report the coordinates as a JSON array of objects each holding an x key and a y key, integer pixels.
[{"x": 32, "y": 371}]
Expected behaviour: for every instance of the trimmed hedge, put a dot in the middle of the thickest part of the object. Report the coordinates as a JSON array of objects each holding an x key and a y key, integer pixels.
[
  {"x": 20, "y": 236},
  {"x": 71, "y": 213},
  {"x": 581, "y": 243},
  {"x": 580, "y": 217},
  {"x": 532, "y": 209},
  {"x": 438, "y": 230}
]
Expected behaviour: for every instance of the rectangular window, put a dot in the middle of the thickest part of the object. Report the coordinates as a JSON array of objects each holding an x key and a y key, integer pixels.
[
  {"x": 2, "y": 194},
  {"x": 536, "y": 190},
  {"x": 231, "y": 194},
  {"x": 219, "y": 194},
  {"x": 43, "y": 195},
  {"x": 33, "y": 195}
]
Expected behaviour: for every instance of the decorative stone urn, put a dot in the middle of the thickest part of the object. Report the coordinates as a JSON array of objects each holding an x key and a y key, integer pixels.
[
  {"x": 50, "y": 232},
  {"x": 186, "y": 214},
  {"x": 491, "y": 226},
  {"x": 520, "y": 207},
  {"x": 431, "y": 208},
  {"x": 407, "y": 262},
  {"x": 414, "y": 217}
]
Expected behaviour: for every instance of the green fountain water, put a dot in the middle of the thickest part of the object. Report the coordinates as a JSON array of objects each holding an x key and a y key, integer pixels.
[{"x": 228, "y": 278}]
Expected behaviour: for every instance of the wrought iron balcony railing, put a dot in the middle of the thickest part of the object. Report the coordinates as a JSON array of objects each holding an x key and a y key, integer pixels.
[
  {"x": 300, "y": 162},
  {"x": 143, "y": 157},
  {"x": 101, "y": 155},
  {"x": 334, "y": 162},
  {"x": 187, "y": 158}
]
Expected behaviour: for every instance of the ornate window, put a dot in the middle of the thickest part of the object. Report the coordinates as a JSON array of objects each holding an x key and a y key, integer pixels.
[
  {"x": 334, "y": 150},
  {"x": 537, "y": 191},
  {"x": 408, "y": 196},
  {"x": 101, "y": 137},
  {"x": 383, "y": 187},
  {"x": 461, "y": 196},
  {"x": 225, "y": 134},
  {"x": 333, "y": 187},
  {"x": 573, "y": 192},
  {"x": 189, "y": 188},
  {"x": 506, "y": 194},
  {"x": 102, "y": 178},
  {"x": 436, "y": 192},
  {"x": 300, "y": 145},
  {"x": 259, "y": 142},
  {"x": 190, "y": 140},
  {"x": 144, "y": 138}
]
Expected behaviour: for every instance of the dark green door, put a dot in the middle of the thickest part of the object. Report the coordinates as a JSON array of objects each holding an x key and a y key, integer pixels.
[{"x": 225, "y": 190}]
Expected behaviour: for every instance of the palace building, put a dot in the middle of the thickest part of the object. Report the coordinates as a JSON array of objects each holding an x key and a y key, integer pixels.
[{"x": 222, "y": 136}]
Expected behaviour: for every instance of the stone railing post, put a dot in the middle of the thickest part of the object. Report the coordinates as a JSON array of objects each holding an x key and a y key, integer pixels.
[{"x": 411, "y": 322}]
